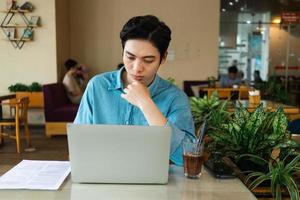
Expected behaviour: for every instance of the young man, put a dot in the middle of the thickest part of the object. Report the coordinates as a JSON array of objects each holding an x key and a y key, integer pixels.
[
  {"x": 135, "y": 94},
  {"x": 231, "y": 79}
]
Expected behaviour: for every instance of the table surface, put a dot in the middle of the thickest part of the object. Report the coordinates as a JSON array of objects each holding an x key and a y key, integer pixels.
[
  {"x": 7, "y": 96},
  {"x": 179, "y": 187}
]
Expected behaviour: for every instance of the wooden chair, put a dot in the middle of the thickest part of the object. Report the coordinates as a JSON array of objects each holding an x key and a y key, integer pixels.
[
  {"x": 243, "y": 93},
  {"x": 20, "y": 118}
]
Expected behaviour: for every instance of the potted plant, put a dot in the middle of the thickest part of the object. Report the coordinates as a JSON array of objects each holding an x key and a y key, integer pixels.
[
  {"x": 282, "y": 175},
  {"x": 255, "y": 133},
  {"x": 260, "y": 133},
  {"x": 210, "y": 110},
  {"x": 33, "y": 91}
]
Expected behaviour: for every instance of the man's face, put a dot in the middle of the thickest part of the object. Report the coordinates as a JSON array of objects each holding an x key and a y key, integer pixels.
[
  {"x": 141, "y": 60},
  {"x": 232, "y": 76}
]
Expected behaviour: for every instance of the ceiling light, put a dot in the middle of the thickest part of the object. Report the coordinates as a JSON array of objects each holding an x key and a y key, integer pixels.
[
  {"x": 230, "y": 3},
  {"x": 248, "y": 22},
  {"x": 276, "y": 20},
  {"x": 223, "y": 10},
  {"x": 237, "y": 1}
]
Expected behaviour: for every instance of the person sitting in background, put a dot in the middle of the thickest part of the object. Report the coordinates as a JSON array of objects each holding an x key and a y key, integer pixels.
[
  {"x": 257, "y": 78},
  {"x": 75, "y": 80},
  {"x": 231, "y": 79}
]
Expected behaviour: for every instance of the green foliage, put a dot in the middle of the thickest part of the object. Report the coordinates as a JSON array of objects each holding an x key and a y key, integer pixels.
[
  {"x": 211, "y": 81},
  {"x": 35, "y": 87},
  {"x": 281, "y": 173},
  {"x": 211, "y": 110},
  {"x": 252, "y": 133},
  {"x": 272, "y": 90},
  {"x": 19, "y": 87}
]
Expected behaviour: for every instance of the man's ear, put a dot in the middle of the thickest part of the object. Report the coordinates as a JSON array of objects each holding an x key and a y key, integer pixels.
[{"x": 164, "y": 58}]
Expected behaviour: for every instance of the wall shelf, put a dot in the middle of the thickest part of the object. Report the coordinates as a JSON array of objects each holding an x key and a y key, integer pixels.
[{"x": 21, "y": 32}]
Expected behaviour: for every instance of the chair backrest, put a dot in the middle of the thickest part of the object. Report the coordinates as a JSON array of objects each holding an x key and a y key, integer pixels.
[
  {"x": 21, "y": 108},
  {"x": 55, "y": 96},
  {"x": 187, "y": 87},
  {"x": 224, "y": 94},
  {"x": 24, "y": 104}
]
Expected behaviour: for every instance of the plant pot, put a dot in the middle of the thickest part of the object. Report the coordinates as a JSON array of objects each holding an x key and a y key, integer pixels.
[
  {"x": 262, "y": 191},
  {"x": 36, "y": 98}
]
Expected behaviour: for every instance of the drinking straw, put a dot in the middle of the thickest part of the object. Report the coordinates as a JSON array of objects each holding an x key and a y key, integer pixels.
[{"x": 200, "y": 137}]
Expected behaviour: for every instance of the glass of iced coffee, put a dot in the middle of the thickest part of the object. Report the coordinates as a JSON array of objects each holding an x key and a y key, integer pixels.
[{"x": 192, "y": 158}]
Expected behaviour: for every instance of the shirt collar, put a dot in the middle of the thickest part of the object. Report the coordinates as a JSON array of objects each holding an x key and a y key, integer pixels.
[
  {"x": 118, "y": 83},
  {"x": 154, "y": 85}
]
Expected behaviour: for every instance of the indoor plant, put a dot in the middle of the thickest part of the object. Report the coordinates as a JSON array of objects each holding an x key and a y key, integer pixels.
[
  {"x": 33, "y": 91},
  {"x": 256, "y": 133},
  {"x": 210, "y": 110},
  {"x": 281, "y": 173},
  {"x": 20, "y": 87}
]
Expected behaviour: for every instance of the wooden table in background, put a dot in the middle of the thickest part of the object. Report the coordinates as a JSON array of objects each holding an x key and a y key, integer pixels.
[
  {"x": 226, "y": 93},
  {"x": 5, "y": 97}
]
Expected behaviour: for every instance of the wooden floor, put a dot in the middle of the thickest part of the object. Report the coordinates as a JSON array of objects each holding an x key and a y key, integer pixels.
[{"x": 54, "y": 148}]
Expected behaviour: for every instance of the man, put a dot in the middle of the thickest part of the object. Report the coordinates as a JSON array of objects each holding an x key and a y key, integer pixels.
[
  {"x": 135, "y": 94},
  {"x": 231, "y": 79},
  {"x": 74, "y": 85}
]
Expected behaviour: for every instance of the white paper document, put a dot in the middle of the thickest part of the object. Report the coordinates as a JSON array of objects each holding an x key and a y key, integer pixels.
[{"x": 36, "y": 174}]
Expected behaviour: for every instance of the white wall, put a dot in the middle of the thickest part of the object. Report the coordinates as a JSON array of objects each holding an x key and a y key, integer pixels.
[
  {"x": 95, "y": 27},
  {"x": 36, "y": 61}
]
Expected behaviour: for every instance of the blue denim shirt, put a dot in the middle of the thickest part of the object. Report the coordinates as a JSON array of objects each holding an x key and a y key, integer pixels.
[{"x": 102, "y": 104}]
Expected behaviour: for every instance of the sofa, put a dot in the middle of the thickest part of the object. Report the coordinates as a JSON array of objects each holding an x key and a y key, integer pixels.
[{"x": 58, "y": 109}]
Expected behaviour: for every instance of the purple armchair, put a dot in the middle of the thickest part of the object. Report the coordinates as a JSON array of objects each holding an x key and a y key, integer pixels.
[{"x": 58, "y": 109}]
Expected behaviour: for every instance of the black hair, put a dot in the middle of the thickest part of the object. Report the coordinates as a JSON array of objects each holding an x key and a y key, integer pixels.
[
  {"x": 257, "y": 72},
  {"x": 120, "y": 65},
  {"x": 232, "y": 69},
  {"x": 70, "y": 63},
  {"x": 149, "y": 28}
]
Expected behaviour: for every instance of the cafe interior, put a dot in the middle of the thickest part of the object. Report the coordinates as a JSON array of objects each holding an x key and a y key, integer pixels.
[{"x": 238, "y": 62}]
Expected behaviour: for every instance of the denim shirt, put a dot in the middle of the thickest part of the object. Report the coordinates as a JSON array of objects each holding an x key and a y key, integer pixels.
[{"x": 102, "y": 104}]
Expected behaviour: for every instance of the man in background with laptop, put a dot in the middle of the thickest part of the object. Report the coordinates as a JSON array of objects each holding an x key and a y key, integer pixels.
[{"x": 135, "y": 94}]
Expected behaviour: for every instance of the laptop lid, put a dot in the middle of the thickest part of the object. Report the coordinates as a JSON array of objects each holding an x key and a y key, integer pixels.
[{"x": 119, "y": 153}]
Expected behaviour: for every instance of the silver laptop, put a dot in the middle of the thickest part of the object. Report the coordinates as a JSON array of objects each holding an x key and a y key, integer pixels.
[{"x": 119, "y": 154}]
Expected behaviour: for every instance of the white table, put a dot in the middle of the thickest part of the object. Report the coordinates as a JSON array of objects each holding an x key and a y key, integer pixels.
[{"x": 179, "y": 187}]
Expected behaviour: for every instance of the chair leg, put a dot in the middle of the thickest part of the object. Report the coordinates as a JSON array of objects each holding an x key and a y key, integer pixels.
[
  {"x": 1, "y": 135},
  {"x": 18, "y": 138},
  {"x": 27, "y": 134}
]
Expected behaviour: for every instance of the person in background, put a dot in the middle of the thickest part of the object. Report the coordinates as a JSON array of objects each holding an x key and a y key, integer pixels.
[
  {"x": 257, "y": 78},
  {"x": 231, "y": 79},
  {"x": 136, "y": 94},
  {"x": 75, "y": 80}
]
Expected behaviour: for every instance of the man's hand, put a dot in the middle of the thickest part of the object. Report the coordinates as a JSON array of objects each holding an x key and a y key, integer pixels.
[{"x": 137, "y": 94}]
